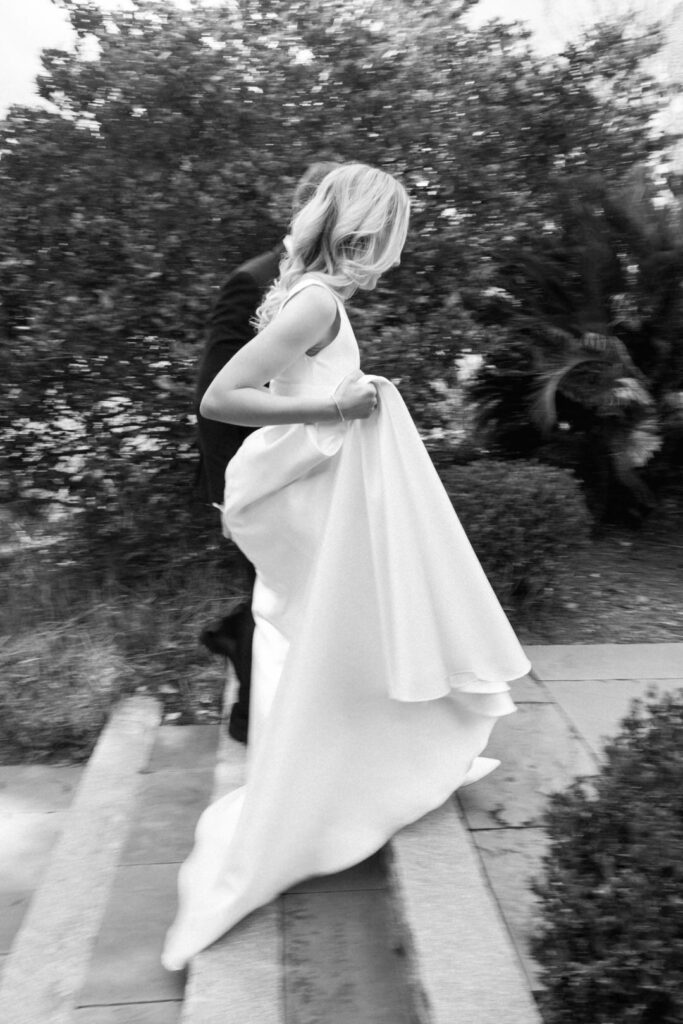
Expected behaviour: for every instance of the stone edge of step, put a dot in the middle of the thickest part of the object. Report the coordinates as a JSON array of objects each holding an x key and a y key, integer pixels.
[
  {"x": 568, "y": 662},
  {"x": 461, "y": 961},
  {"x": 48, "y": 961},
  {"x": 243, "y": 971},
  {"x": 459, "y": 957}
]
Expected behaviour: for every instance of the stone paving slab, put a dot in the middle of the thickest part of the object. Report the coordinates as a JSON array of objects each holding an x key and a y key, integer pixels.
[
  {"x": 47, "y": 965},
  {"x": 370, "y": 874},
  {"x": 168, "y": 806},
  {"x": 231, "y": 764},
  {"x": 338, "y": 963},
  {"x": 37, "y": 788},
  {"x": 33, "y": 804},
  {"x": 239, "y": 978},
  {"x": 26, "y": 843},
  {"x": 597, "y": 706},
  {"x": 512, "y": 858},
  {"x": 530, "y": 691},
  {"x": 607, "y": 661},
  {"x": 228, "y": 777},
  {"x": 179, "y": 747},
  {"x": 125, "y": 964},
  {"x": 243, "y": 970},
  {"x": 130, "y": 1013},
  {"x": 13, "y": 906},
  {"x": 540, "y": 753},
  {"x": 463, "y": 966}
]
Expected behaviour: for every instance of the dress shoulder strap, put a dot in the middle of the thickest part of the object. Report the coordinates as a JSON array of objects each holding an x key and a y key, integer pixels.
[{"x": 304, "y": 282}]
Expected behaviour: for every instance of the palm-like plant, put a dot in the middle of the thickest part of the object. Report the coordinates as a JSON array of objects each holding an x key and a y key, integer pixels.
[{"x": 586, "y": 341}]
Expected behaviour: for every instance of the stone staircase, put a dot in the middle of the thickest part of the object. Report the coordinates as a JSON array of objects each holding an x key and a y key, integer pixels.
[{"x": 415, "y": 935}]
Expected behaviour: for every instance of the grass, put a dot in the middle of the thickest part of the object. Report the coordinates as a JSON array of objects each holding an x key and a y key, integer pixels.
[
  {"x": 70, "y": 647},
  {"x": 58, "y": 684}
]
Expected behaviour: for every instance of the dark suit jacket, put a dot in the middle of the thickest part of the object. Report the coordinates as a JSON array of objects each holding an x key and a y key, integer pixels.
[{"x": 229, "y": 328}]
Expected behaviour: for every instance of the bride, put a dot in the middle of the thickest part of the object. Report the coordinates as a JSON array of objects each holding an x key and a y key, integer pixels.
[{"x": 381, "y": 655}]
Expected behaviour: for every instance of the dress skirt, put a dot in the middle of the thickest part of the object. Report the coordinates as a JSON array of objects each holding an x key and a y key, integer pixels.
[{"x": 381, "y": 662}]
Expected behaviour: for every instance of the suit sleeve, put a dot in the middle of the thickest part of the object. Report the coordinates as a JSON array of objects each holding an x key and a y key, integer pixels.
[
  {"x": 229, "y": 327},
  {"x": 230, "y": 321}
]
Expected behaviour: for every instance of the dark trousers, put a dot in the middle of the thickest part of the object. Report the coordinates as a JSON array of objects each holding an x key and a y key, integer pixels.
[
  {"x": 218, "y": 443},
  {"x": 243, "y": 625}
]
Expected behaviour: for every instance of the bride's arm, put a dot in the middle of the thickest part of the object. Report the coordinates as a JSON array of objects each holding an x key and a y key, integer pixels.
[{"x": 238, "y": 394}]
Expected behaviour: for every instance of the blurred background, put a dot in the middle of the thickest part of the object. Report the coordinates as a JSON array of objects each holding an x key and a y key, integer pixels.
[{"x": 534, "y": 326}]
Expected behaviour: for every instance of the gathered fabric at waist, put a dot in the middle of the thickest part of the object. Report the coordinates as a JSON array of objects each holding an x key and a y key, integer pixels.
[{"x": 362, "y": 502}]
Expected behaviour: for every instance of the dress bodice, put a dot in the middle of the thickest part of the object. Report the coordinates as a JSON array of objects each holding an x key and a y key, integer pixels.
[{"x": 320, "y": 373}]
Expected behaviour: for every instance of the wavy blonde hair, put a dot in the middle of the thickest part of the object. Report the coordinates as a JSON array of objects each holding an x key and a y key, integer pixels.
[{"x": 348, "y": 234}]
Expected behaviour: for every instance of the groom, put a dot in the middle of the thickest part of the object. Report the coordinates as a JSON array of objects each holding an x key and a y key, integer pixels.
[{"x": 229, "y": 328}]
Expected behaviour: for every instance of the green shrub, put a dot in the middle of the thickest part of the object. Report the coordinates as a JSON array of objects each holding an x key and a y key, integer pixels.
[
  {"x": 611, "y": 939},
  {"x": 522, "y": 518},
  {"x": 56, "y": 689}
]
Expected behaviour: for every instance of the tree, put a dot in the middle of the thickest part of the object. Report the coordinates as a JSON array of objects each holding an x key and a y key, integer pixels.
[{"x": 170, "y": 157}]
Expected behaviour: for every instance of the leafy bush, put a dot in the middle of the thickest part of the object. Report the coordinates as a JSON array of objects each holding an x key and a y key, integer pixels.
[
  {"x": 611, "y": 942},
  {"x": 523, "y": 520}
]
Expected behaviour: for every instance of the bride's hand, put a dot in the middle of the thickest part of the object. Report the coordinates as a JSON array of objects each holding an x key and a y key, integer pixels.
[{"x": 356, "y": 397}]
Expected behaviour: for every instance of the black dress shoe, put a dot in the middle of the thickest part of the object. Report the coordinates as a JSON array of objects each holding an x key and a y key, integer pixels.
[
  {"x": 238, "y": 728},
  {"x": 231, "y": 636},
  {"x": 221, "y": 636}
]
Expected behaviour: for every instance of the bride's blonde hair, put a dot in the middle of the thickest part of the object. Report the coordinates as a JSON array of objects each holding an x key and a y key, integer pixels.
[{"x": 350, "y": 232}]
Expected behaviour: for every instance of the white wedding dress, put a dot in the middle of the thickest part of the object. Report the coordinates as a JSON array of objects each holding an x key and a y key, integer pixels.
[{"x": 381, "y": 655}]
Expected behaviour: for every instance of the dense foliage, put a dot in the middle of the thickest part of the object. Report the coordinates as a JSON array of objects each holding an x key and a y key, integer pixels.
[
  {"x": 587, "y": 363},
  {"x": 169, "y": 157},
  {"x": 611, "y": 943},
  {"x": 522, "y": 519}
]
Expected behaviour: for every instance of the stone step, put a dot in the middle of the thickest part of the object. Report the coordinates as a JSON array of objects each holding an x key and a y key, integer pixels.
[
  {"x": 414, "y": 936},
  {"x": 89, "y": 950},
  {"x": 48, "y": 961},
  {"x": 125, "y": 971},
  {"x": 89, "y": 947},
  {"x": 462, "y": 875},
  {"x": 540, "y": 752},
  {"x": 462, "y": 963},
  {"x": 324, "y": 951},
  {"x": 411, "y": 936},
  {"x": 607, "y": 661},
  {"x": 34, "y": 805}
]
